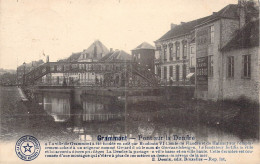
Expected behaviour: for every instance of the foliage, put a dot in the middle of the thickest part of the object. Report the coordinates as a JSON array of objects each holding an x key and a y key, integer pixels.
[
  {"x": 251, "y": 9},
  {"x": 8, "y": 79}
]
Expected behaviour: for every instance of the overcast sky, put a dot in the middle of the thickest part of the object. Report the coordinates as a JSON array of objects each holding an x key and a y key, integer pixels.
[{"x": 60, "y": 27}]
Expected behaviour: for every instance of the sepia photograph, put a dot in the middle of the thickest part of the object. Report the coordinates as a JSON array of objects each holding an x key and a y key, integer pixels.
[{"x": 129, "y": 81}]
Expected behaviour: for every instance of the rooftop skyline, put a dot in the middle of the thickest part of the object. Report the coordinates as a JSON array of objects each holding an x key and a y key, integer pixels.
[{"x": 60, "y": 28}]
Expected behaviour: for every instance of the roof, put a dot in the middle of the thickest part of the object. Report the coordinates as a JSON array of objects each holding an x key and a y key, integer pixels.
[
  {"x": 230, "y": 11},
  {"x": 74, "y": 57},
  {"x": 96, "y": 47},
  {"x": 145, "y": 46},
  {"x": 182, "y": 29},
  {"x": 118, "y": 55},
  {"x": 106, "y": 56},
  {"x": 247, "y": 37}
]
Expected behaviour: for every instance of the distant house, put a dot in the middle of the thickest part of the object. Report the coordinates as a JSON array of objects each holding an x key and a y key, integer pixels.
[
  {"x": 144, "y": 54},
  {"x": 94, "y": 52},
  {"x": 116, "y": 56},
  {"x": 25, "y": 68}
]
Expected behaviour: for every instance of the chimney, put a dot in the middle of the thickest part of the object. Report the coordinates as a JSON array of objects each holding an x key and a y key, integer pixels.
[
  {"x": 242, "y": 14},
  {"x": 173, "y": 25},
  {"x": 214, "y": 13},
  {"x": 111, "y": 49},
  {"x": 182, "y": 22}
]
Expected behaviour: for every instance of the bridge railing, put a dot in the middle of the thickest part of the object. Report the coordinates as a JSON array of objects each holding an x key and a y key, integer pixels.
[
  {"x": 68, "y": 67},
  {"x": 149, "y": 74},
  {"x": 94, "y": 67},
  {"x": 91, "y": 83}
]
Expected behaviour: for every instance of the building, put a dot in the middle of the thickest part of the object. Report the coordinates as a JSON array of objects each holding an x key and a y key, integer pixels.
[
  {"x": 144, "y": 54},
  {"x": 173, "y": 53},
  {"x": 25, "y": 68},
  {"x": 211, "y": 35},
  {"x": 226, "y": 48},
  {"x": 92, "y": 54},
  {"x": 115, "y": 79},
  {"x": 241, "y": 64}
]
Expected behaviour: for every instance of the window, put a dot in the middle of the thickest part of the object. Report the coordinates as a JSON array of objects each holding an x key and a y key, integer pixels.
[
  {"x": 210, "y": 60},
  {"x": 159, "y": 71},
  {"x": 230, "y": 66},
  {"x": 184, "y": 71},
  {"x": 192, "y": 50},
  {"x": 170, "y": 52},
  {"x": 184, "y": 49},
  {"x": 165, "y": 53},
  {"x": 171, "y": 71},
  {"x": 177, "y": 45},
  {"x": 165, "y": 72},
  {"x": 247, "y": 66},
  {"x": 177, "y": 72},
  {"x": 211, "y": 34}
]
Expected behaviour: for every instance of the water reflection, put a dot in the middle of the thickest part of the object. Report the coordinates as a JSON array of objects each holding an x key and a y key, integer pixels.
[
  {"x": 92, "y": 108},
  {"x": 98, "y": 115},
  {"x": 58, "y": 106},
  {"x": 99, "y": 109}
]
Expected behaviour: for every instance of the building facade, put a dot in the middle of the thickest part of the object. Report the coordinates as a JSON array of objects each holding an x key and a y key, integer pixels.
[
  {"x": 222, "y": 49},
  {"x": 173, "y": 53},
  {"x": 144, "y": 55},
  {"x": 211, "y": 36},
  {"x": 241, "y": 63}
]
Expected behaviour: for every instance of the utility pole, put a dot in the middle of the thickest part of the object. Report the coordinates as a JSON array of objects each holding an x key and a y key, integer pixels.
[{"x": 24, "y": 73}]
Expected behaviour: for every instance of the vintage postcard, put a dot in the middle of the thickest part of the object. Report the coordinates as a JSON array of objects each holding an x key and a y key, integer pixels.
[{"x": 129, "y": 81}]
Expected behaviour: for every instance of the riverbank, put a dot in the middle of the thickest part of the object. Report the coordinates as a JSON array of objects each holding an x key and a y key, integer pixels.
[
  {"x": 20, "y": 118},
  {"x": 240, "y": 117}
]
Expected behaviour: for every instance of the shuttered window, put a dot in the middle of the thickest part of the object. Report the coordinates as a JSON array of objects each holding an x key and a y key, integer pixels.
[
  {"x": 246, "y": 66},
  {"x": 230, "y": 66}
]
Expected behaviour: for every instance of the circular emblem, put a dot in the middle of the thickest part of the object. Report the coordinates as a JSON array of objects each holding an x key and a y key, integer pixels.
[{"x": 27, "y": 148}]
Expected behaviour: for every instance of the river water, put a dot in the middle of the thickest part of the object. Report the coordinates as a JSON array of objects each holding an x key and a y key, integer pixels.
[
  {"x": 57, "y": 115},
  {"x": 94, "y": 116}
]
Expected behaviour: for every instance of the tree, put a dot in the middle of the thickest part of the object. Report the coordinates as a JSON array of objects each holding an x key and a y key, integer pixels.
[
  {"x": 8, "y": 79},
  {"x": 251, "y": 9}
]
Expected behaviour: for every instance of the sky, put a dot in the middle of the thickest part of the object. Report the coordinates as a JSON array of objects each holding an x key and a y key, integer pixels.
[{"x": 29, "y": 28}]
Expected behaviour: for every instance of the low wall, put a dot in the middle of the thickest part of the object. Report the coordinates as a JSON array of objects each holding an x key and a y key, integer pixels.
[{"x": 175, "y": 94}]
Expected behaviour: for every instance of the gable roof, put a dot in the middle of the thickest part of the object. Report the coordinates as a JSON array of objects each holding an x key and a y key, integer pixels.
[
  {"x": 118, "y": 55},
  {"x": 145, "y": 45},
  {"x": 247, "y": 37},
  {"x": 96, "y": 47},
  {"x": 182, "y": 29},
  {"x": 230, "y": 11},
  {"x": 104, "y": 58}
]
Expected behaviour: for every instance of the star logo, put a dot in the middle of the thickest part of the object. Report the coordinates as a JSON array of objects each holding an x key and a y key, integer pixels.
[{"x": 27, "y": 148}]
